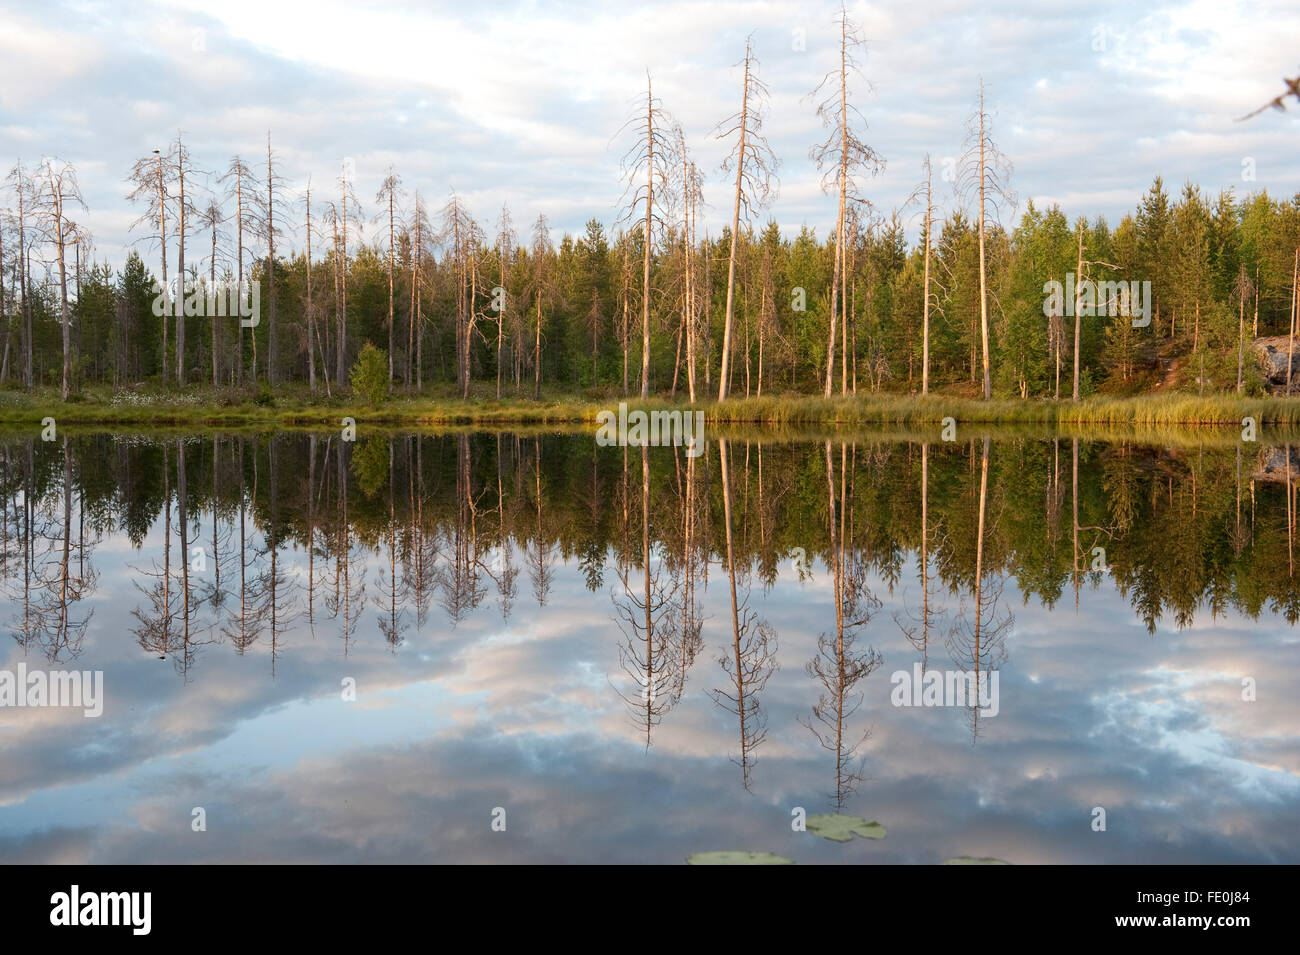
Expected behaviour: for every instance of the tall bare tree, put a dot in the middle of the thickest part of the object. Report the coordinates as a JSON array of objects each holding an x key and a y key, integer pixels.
[
  {"x": 179, "y": 159},
  {"x": 150, "y": 176},
  {"x": 420, "y": 231},
  {"x": 505, "y": 252},
  {"x": 545, "y": 291},
  {"x": 461, "y": 235},
  {"x": 57, "y": 191},
  {"x": 755, "y": 165},
  {"x": 242, "y": 188},
  {"x": 338, "y": 215},
  {"x": 984, "y": 177},
  {"x": 213, "y": 216},
  {"x": 753, "y": 656},
  {"x": 314, "y": 341},
  {"x": 839, "y": 666},
  {"x": 272, "y": 225},
  {"x": 845, "y": 157},
  {"x": 692, "y": 195},
  {"x": 647, "y": 167},
  {"x": 925, "y": 192},
  {"x": 22, "y": 186},
  {"x": 390, "y": 195}
]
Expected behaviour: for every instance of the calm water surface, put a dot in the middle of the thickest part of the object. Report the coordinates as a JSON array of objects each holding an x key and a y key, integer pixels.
[{"x": 363, "y": 652}]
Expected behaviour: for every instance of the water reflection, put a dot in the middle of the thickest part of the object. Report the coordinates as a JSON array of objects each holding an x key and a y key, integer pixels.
[{"x": 265, "y": 569}]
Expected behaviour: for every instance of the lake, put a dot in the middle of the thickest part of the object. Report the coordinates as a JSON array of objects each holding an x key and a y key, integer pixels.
[{"x": 492, "y": 647}]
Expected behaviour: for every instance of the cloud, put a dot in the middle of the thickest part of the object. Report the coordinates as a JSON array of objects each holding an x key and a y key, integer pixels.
[{"x": 519, "y": 103}]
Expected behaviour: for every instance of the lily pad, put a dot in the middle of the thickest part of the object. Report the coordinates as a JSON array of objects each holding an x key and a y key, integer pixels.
[
  {"x": 843, "y": 828},
  {"x": 736, "y": 857},
  {"x": 969, "y": 860}
]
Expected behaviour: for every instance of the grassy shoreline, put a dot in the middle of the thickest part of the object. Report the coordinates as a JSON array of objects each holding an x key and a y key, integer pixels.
[{"x": 197, "y": 408}]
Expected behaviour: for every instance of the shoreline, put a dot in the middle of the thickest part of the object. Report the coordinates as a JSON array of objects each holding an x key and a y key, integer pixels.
[{"x": 1187, "y": 412}]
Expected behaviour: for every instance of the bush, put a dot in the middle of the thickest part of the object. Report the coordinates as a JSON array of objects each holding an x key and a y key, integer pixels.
[{"x": 369, "y": 375}]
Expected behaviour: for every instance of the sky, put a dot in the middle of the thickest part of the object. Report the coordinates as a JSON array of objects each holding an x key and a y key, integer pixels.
[{"x": 522, "y": 103}]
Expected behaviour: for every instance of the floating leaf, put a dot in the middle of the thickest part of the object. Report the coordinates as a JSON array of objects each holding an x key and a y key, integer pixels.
[
  {"x": 843, "y": 828},
  {"x": 736, "y": 857},
  {"x": 969, "y": 860}
]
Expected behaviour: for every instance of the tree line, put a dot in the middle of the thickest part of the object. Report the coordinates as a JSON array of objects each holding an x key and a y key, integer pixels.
[{"x": 648, "y": 303}]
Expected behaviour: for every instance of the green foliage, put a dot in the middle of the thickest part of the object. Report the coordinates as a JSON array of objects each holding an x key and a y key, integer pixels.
[
  {"x": 370, "y": 463},
  {"x": 736, "y": 857},
  {"x": 369, "y": 375},
  {"x": 839, "y": 828}
]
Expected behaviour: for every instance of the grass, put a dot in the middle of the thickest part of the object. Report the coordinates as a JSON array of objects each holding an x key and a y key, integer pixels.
[{"x": 205, "y": 406}]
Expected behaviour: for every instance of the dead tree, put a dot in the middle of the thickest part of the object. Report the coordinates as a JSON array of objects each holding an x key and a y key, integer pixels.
[
  {"x": 315, "y": 341},
  {"x": 23, "y": 188},
  {"x": 420, "y": 231},
  {"x": 977, "y": 640},
  {"x": 647, "y": 167},
  {"x": 179, "y": 159},
  {"x": 752, "y": 659},
  {"x": 212, "y": 217},
  {"x": 925, "y": 193},
  {"x": 918, "y": 628},
  {"x": 57, "y": 191},
  {"x": 692, "y": 196},
  {"x": 647, "y": 618},
  {"x": 389, "y": 194},
  {"x": 839, "y": 666},
  {"x": 271, "y": 227},
  {"x": 338, "y": 215},
  {"x": 755, "y": 165},
  {"x": 545, "y": 291},
  {"x": 505, "y": 252},
  {"x": 984, "y": 177},
  {"x": 151, "y": 176},
  {"x": 461, "y": 235},
  {"x": 241, "y": 187},
  {"x": 845, "y": 157}
]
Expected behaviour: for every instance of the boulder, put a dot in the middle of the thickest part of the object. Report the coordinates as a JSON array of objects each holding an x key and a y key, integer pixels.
[
  {"x": 1272, "y": 464},
  {"x": 1271, "y": 354}
]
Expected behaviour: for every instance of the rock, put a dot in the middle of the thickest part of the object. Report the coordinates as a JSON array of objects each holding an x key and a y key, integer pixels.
[
  {"x": 1272, "y": 463},
  {"x": 1271, "y": 354}
]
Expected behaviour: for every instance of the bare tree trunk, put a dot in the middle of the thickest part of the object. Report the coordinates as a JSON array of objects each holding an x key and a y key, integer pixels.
[
  {"x": 392, "y": 232},
  {"x": 645, "y": 257},
  {"x": 239, "y": 270},
  {"x": 984, "y": 304},
  {"x": 162, "y": 239},
  {"x": 690, "y": 280},
  {"x": 341, "y": 330},
  {"x": 1078, "y": 307},
  {"x": 212, "y": 278},
  {"x": 838, "y": 271},
  {"x": 270, "y": 265},
  {"x": 724, "y": 374},
  {"x": 180, "y": 267},
  {"x": 311, "y": 318},
  {"x": 925, "y": 307},
  {"x": 1290, "y": 346}
]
